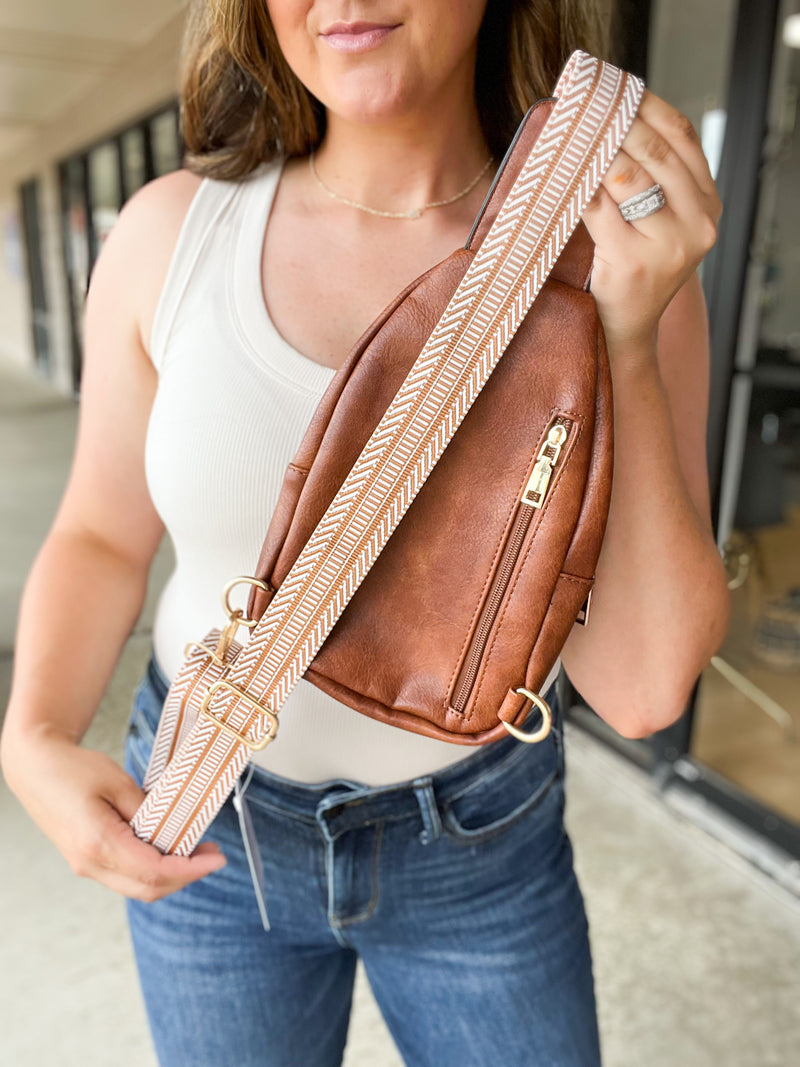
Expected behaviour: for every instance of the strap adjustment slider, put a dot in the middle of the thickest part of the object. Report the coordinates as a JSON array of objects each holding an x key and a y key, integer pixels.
[{"x": 255, "y": 746}]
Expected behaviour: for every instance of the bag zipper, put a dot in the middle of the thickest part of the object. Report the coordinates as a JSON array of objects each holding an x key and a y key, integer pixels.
[{"x": 530, "y": 504}]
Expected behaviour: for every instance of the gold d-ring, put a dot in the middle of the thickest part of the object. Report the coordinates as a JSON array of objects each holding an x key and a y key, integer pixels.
[
  {"x": 547, "y": 719},
  {"x": 229, "y": 611}
]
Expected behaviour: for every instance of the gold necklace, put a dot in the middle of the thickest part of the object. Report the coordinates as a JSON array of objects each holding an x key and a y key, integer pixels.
[{"x": 414, "y": 213}]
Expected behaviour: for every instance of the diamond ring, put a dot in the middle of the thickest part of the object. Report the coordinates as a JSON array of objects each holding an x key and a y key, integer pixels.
[{"x": 643, "y": 204}]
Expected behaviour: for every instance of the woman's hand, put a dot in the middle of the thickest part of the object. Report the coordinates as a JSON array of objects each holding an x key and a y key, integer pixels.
[
  {"x": 639, "y": 266},
  {"x": 83, "y": 801}
]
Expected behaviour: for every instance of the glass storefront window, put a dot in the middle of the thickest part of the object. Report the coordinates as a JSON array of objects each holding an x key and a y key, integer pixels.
[
  {"x": 76, "y": 238},
  {"x": 747, "y": 718},
  {"x": 31, "y": 218},
  {"x": 94, "y": 185},
  {"x": 690, "y": 53},
  {"x": 134, "y": 162},
  {"x": 165, "y": 140},
  {"x": 733, "y": 66},
  {"x": 105, "y": 195}
]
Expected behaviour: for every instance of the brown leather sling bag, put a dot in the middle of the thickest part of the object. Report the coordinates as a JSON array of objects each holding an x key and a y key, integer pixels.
[
  {"x": 480, "y": 583},
  {"x": 432, "y": 587}
]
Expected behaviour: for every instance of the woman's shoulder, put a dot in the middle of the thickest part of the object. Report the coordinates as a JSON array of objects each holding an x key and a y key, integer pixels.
[
  {"x": 162, "y": 200},
  {"x": 142, "y": 241},
  {"x": 154, "y": 214},
  {"x": 136, "y": 253}
]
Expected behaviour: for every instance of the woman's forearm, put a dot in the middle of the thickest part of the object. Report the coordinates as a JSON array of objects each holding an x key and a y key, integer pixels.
[
  {"x": 80, "y": 603},
  {"x": 660, "y": 605}
]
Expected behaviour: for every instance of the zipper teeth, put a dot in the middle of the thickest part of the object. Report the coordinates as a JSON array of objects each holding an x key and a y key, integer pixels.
[
  {"x": 510, "y": 554},
  {"x": 511, "y": 551}
]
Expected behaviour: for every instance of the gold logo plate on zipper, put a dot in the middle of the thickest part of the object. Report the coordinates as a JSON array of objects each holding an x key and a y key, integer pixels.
[{"x": 535, "y": 491}]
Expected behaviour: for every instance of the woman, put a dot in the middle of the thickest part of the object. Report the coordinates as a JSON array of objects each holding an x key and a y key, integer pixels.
[{"x": 349, "y": 147}]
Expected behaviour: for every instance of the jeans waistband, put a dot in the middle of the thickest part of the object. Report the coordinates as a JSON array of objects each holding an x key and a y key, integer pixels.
[{"x": 302, "y": 798}]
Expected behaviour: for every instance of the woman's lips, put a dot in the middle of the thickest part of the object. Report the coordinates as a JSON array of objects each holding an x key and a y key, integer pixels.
[{"x": 356, "y": 36}]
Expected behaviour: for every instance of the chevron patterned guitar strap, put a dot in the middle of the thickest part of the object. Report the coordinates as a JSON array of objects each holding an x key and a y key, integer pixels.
[{"x": 244, "y": 687}]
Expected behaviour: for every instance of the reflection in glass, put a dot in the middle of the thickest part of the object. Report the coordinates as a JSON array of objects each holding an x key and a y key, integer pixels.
[
  {"x": 689, "y": 56},
  {"x": 31, "y": 219},
  {"x": 76, "y": 238},
  {"x": 134, "y": 166},
  {"x": 165, "y": 142},
  {"x": 105, "y": 195},
  {"x": 747, "y": 721},
  {"x": 690, "y": 53}
]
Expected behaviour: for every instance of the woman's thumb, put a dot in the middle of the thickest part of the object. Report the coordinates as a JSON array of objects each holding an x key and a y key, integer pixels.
[{"x": 126, "y": 796}]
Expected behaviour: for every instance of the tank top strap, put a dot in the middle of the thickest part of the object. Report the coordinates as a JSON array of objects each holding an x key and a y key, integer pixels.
[{"x": 211, "y": 200}]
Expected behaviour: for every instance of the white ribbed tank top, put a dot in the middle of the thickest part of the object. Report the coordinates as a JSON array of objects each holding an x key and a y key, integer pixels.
[{"x": 233, "y": 402}]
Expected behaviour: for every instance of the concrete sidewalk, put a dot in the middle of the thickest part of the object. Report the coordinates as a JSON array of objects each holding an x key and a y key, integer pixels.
[{"x": 696, "y": 952}]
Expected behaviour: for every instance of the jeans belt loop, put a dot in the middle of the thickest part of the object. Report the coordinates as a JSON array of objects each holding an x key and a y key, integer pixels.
[
  {"x": 250, "y": 840},
  {"x": 432, "y": 823}
]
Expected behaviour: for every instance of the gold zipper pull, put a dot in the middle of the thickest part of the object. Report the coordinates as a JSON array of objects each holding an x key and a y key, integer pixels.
[{"x": 536, "y": 490}]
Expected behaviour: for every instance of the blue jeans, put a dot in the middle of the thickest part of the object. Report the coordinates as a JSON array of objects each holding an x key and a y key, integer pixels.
[{"x": 457, "y": 891}]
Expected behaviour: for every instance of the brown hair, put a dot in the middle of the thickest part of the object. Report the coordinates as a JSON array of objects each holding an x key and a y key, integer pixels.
[{"x": 242, "y": 105}]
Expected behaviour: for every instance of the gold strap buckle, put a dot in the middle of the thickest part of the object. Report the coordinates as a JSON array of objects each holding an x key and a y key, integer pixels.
[
  {"x": 547, "y": 719},
  {"x": 255, "y": 746}
]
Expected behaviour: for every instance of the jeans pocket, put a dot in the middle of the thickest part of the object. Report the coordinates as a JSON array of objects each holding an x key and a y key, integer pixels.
[{"x": 530, "y": 783}]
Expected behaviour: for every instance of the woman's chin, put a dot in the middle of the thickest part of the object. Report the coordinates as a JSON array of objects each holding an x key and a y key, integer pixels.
[
  {"x": 369, "y": 111},
  {"x": 371, "y": 101}
]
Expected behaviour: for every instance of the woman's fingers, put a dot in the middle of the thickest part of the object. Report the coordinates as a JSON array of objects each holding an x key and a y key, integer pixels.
[
  {"x": 646, "y": 159},
  {"x": 639, "y": 265},
  {"x": 657, "y": 156},
  {"x": 625, "y": 178},
  {"x": 123, "y": 862},
  {"x": 82, "y": 800},
  {"x": 606, "y": 226},
  {"x": 677, "y": 164},
  {"x": 675, "y": 128}
]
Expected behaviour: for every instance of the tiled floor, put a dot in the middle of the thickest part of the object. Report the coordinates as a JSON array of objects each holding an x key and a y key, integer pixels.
[{"x": 697, "y": 953}]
